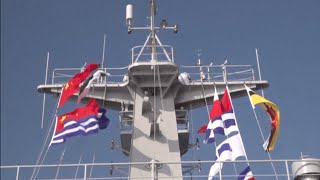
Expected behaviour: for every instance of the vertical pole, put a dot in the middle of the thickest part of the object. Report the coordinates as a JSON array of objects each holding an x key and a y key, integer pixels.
[
  {"x": 220, "y": 173},
  {"x": 18, "y": 169},
  {"x": 153, "y": 40},
  {"x": 103, "y": 79},
  {"x": 258, "y": 63},
  {"x": 85, "y": 172},
  {"x": 252, "y": 71},
  {"x": 48, "y": 56},
  {"x": 287, "y": 170},
  {"x": 103, "y": 50},
  {"x": 224, "y": 68},
  {"x": 44, "y": 94},
  {"x": 132, "y": 56},
  {"x": 152, "y": 169},
  {"x": 208, "y": 71}
]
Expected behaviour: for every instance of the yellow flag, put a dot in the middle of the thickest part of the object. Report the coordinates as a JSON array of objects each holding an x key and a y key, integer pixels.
[{"x": 273, "y": 111}]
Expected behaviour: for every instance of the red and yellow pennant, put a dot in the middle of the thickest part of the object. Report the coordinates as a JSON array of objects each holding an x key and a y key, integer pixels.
[{"x": 273, "y": 111}]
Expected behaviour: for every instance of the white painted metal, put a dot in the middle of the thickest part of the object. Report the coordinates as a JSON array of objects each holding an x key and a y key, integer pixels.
[
  {"x": 44, "y": 95},
  {"x": 306, "y": 169},
  {"x": 21, "y": 171},
  {"x": 129, "y": 13}
]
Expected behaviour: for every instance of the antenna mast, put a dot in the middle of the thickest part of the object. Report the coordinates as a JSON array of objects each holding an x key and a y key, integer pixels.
[
  {"x": 152, "y": 28},
  {"x": 153, "y": 37}
]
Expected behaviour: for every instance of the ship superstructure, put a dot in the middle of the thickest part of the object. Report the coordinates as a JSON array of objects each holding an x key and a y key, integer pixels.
[{"x": 154, "y": 98}]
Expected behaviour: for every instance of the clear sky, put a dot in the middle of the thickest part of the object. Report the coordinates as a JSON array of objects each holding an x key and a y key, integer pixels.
[{"x": 287, "y": 34}]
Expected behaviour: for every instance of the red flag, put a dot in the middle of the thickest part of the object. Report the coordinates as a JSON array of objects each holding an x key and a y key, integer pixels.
[
  {"x": 225, "y": 102},
  {"x": 216, "y": 107},
  {"x": 90, "y": 109},
  {"x": 203, "y": 129},
  {"x": 72, "y": 85}
]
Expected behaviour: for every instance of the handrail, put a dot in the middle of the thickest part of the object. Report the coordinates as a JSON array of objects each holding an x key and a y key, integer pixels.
[
  {"x": 283, "y": 172},
  {"x": 214, "y": 72},
  {"x": 164, "y": 51}
]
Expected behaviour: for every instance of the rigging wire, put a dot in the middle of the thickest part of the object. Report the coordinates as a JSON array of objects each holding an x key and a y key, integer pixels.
[
  {"x": 262, "y": 91},
  {"x": 192, "y": 125},
  {"x": 160, "y": 88},
  {"x": 205, "y": 99},
  {"x": 154, "y": 103},
  {"x": 45, "y": 155},
  {"x": 53, "y": 120},
  {"x": 91, "y": 168},
  {"x": 36, "y": 169},
  {"x": 162, "y": 106},
  {"x": 192, "y": 130},
  {"x": 215, "y": 88},
  {"x": 236, "y": 122},
  {"x": 61, "y": 158},
  {"x": 263, "y": 138},
  {"x": 76, "y": 174},
  {"x": 44, "y": 94}
]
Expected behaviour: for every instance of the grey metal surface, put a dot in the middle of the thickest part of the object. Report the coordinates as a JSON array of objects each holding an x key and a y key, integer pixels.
[
  {"x": 153, "y": 140},
  {"x": 306, "y": 169}
]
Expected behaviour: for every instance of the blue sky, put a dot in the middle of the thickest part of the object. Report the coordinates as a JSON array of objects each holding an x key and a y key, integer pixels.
[{"x": 285, "y": 32}]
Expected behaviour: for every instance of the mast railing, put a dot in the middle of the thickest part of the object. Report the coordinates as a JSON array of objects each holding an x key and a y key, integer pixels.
[
  {"x": 105, "y": 170},
  {"x": 144, "y": 53},
  {"x": 63, "y": 75},
  {"x": 117, "y": 75},
  {"x": 220, "y": 72}
]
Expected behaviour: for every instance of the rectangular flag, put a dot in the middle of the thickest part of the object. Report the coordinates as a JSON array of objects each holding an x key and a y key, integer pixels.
[
  {"x": 215, "y": 125},
  {"x": 82, "y": 120},
  {"x": 246, "y": 174},
  {"x": 230, "y": 149},
  {"x": 228, "y": 116},
  {"x": 72, "y": 86},
  {"x": 272, "y": 110}
]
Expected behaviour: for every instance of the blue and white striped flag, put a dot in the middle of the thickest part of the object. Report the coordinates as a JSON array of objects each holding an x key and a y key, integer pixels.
[
  {"x": 246, "y": 174},
  {"x": 228, "y": 116},
  {"x": 230, "y": 149},
  {"x": 215, "y": 125}
]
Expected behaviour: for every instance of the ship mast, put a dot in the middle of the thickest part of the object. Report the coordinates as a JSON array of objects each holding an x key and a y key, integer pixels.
[
  {"x": 155, "y": 136},
  {"x": 153, "y": 34},
  {"x": 153, "y": 104}
]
